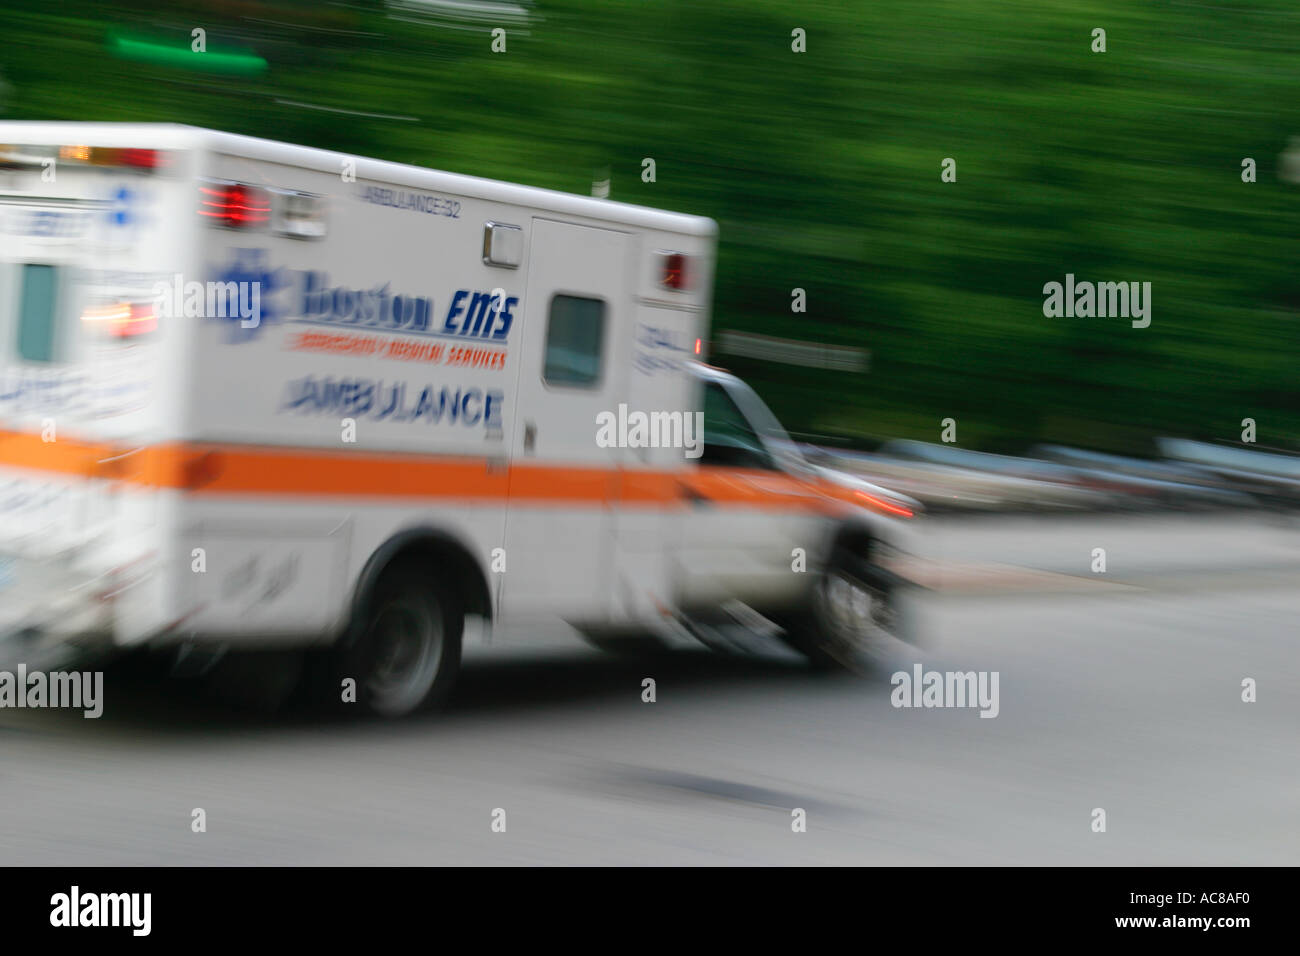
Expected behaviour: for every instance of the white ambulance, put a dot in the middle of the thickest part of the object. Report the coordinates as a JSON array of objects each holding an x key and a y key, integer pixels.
[{"x": 255, "y": 395}]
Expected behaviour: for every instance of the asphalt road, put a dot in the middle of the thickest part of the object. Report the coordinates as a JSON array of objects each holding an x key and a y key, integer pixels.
[{"x": 1120, "y": 691}]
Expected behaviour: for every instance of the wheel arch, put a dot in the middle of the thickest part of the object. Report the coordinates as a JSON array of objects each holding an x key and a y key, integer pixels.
[
  {"x": 442, "y": 551},
  {"x": 860, "y": 529}
]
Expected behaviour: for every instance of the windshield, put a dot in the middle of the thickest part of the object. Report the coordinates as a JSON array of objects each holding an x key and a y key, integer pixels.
[{"x": 765, "y": 424}]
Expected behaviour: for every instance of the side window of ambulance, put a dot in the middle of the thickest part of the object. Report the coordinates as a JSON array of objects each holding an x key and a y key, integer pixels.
[
  {"x": 575, "y": 338},
  {"x": 728, "y": 438},
  {"x": 38, "y": 294}
]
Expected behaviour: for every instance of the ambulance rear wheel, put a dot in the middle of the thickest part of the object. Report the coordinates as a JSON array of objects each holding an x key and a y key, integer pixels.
[{"x": 408, "y": 653}]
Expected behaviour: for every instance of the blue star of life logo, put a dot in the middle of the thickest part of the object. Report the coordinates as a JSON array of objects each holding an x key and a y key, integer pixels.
[
  {"x": 249, "y": 267},
  {"x": 120, "y": 207}
]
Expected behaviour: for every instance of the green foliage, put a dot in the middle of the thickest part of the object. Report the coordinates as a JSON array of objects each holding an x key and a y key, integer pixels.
[{"x": 822, "y": 169}]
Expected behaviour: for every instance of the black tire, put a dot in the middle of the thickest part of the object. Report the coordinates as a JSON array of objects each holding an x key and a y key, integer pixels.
[
  {"x": 833, "y": 639},
  {"x": 405, "y": 651}
]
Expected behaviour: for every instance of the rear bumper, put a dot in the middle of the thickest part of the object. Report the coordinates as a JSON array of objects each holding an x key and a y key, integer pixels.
[{"x": 50, "y": 611}]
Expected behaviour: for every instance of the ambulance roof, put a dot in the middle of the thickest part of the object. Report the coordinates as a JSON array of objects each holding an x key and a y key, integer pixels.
[{"x": 175, "y": 136}]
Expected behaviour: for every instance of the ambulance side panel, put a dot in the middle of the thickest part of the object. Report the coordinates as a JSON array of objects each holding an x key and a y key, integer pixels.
[
  {"x": 350, "y": 362},
  {"x": 396, "y": 383}
]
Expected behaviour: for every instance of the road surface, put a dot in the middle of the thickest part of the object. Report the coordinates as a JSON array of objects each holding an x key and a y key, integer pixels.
[{"x": 1119, "y": 691}]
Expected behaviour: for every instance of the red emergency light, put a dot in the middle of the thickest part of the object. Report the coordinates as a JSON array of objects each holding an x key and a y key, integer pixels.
[
  {"x": 234, "y": 205},
  {"x": 113, "y": 156},
  {"x": 123, "y": 320},
  {"x": 141, "y": 158},
  {"x": 674, "y": 272}
]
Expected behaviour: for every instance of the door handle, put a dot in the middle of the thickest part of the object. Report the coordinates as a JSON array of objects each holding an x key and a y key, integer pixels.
[{"x": 530, "y": 436}]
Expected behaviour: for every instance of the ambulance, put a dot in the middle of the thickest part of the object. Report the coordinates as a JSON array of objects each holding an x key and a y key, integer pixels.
[{"x": 256, "y": 395}]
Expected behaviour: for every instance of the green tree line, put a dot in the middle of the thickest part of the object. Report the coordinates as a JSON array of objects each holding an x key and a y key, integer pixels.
[{"x": 823, "y": 169}]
